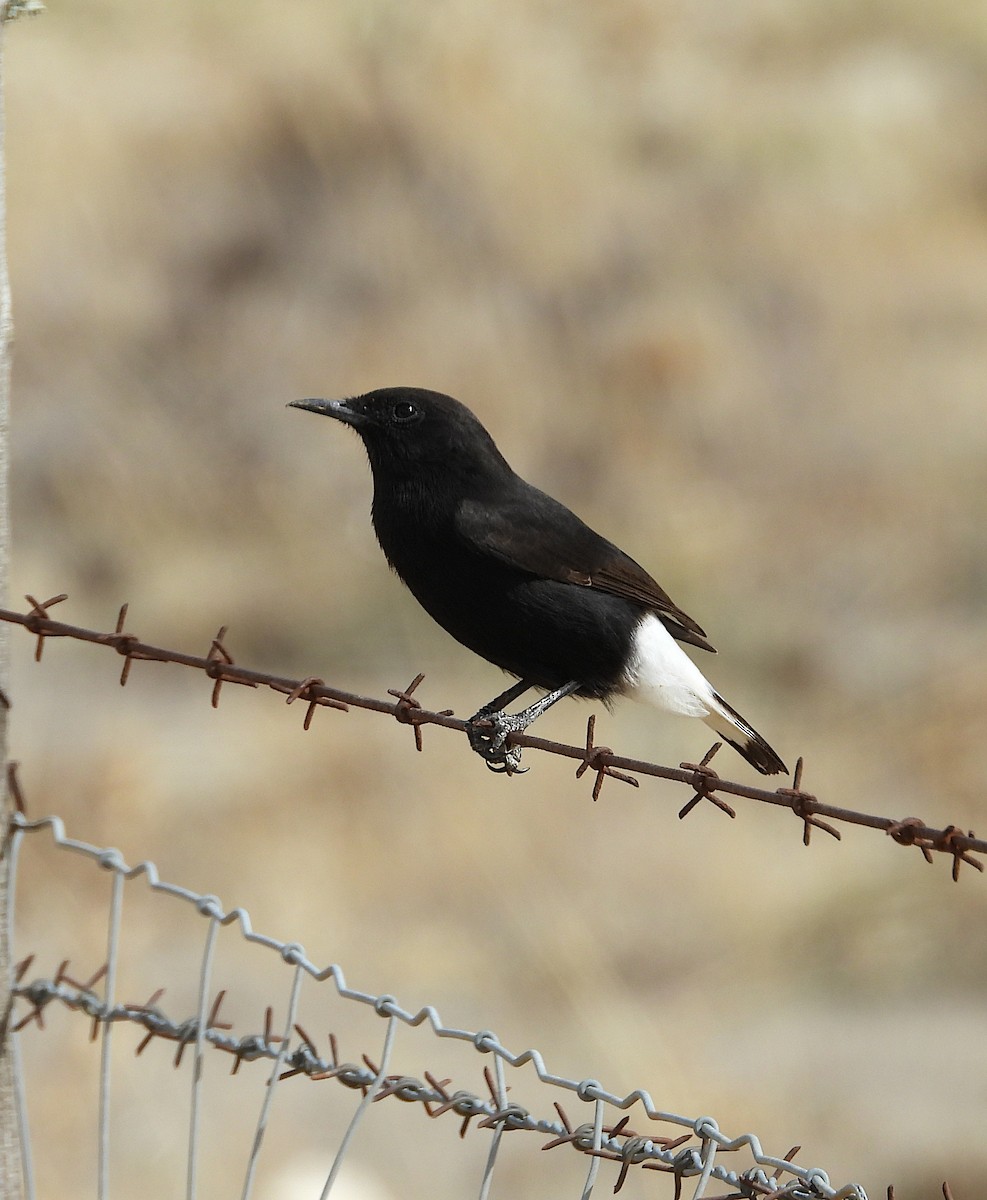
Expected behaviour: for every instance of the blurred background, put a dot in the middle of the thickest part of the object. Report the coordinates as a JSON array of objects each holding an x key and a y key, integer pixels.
[{"x": 716, "y": 276}]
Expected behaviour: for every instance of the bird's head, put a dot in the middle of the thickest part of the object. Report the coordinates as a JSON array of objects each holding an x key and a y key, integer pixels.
[{"x": 410, "y": 432}]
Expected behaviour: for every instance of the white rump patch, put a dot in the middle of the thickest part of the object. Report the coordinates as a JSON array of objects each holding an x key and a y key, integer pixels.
[{"x": 661, "y": 673}]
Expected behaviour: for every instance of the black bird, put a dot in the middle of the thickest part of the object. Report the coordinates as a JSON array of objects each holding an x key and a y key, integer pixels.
[{"x": 519, "y": 579}]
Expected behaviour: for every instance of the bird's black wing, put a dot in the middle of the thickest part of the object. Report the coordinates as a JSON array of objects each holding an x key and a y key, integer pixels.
[{"x": 534, "y": 533}]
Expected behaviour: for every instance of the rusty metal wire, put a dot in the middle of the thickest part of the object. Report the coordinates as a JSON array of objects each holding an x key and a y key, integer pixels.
[
  {"x": 695, "y": 1149},
  {"x": 219, "y": 666}
]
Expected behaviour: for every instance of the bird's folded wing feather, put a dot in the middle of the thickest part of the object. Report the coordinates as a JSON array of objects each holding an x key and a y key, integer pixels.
[{"x": 537, "y": 534}]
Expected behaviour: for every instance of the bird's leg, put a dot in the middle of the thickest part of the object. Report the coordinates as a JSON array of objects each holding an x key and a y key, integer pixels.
[
  {"x": 489, "y": 743},
  {"x": 481, "y": 739}
]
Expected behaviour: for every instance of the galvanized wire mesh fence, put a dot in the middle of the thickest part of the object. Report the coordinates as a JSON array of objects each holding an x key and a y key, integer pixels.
[{"x": 615, "y": 1134}]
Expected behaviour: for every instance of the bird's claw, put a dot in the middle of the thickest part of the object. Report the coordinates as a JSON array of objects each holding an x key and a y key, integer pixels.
[
  {"x": 487, "y": 732},
  {"x": 510, "y": 764}
]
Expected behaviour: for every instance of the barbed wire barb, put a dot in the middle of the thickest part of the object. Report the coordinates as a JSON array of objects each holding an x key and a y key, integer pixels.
[
  {"x": 705, "y": 781},
  {"x": 597, "y": 759}
]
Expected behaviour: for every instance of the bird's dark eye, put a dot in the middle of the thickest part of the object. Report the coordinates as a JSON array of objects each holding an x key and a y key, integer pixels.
[{"x": 404, "y": 411}]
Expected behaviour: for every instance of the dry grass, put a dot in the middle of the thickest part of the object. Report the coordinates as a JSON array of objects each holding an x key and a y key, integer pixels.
[{"x": 716, "y": 278}]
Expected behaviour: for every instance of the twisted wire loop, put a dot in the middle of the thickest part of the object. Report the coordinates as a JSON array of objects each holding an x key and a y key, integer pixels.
[
  {"x": 695, "y": 1150},
  {"x": 405, "y": 707}
]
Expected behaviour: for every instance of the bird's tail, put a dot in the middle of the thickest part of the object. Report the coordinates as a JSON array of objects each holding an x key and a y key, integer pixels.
[{"x": 732, "y": 727}]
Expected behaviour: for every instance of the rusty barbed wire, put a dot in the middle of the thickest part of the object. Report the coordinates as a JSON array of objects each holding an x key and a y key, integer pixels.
[
  {"x": 696, "y": 1151},
  {"x": 219, "y": 665},
  {"x": 618, "y": 1143}
]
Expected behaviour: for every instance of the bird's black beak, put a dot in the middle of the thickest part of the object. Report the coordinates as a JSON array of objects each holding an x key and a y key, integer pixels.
[{"x": 342, "y": 410}]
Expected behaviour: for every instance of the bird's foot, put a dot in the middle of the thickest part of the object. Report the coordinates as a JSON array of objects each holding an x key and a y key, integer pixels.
[{"x": 488, "y": 731}]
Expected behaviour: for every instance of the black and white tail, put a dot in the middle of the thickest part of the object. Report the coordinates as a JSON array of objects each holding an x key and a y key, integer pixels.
[
  {"x": 661, "y": 673},
  {"x": 744, "y": 738}
]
